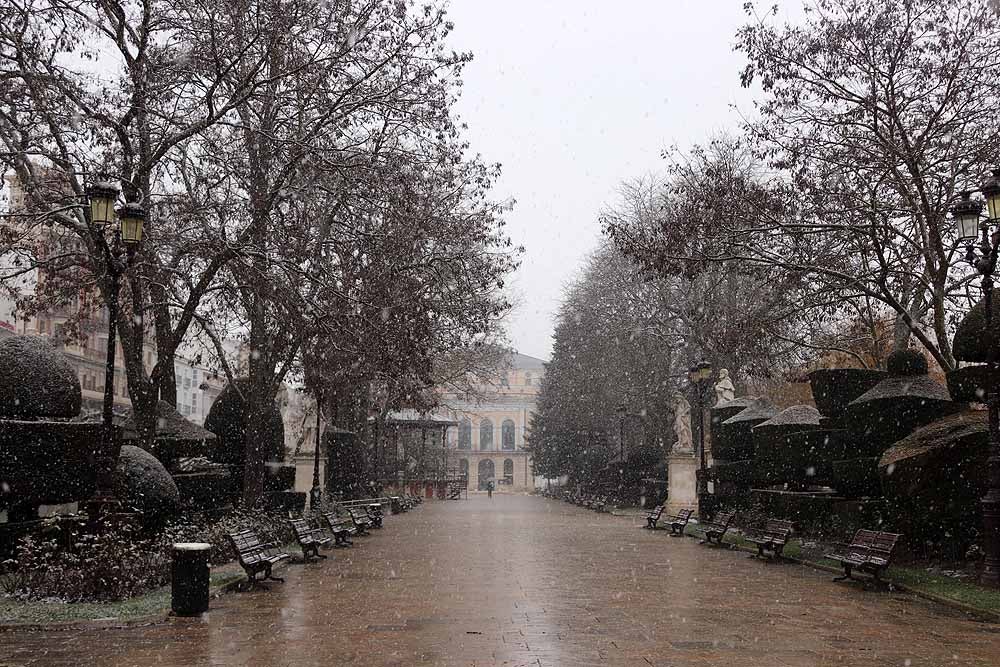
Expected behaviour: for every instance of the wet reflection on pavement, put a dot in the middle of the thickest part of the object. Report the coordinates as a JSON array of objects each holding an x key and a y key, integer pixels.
[{"x": 527, "y": 581}]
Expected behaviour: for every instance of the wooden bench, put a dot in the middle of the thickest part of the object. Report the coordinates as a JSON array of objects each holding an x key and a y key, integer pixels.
[
  {"x": 653, "y": 517},
  {"x": 716, "y": 529},
  {"x": 679, "y": 521},
  {"x": 362, "y": 522},
  {"x": 254, "y": 555},
  {"x": 340, "y": 528},
  {"x": 870, "y": 551},
  {"x": 774, "y": 537},
  {"x": 401, "y": 502},
  {"x": 374, "y": 511},
  {"x": 310, "y": 539}
]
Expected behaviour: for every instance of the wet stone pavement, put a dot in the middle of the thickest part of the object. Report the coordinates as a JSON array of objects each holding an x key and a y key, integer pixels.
[{"x": 521, "y": 581}]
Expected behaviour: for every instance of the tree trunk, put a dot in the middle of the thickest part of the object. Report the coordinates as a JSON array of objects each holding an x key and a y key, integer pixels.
[{"x": 258, "y": 411}]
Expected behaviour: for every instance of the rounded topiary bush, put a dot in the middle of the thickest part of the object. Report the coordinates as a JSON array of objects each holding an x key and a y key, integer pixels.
[
  {"x": 906, "y": 362},
  {"x": 36, "y": 380},
  {"x": 229, "y": 420},
  {"x": 971, "y": 342},
  {"x": 144, "y": 485},
  {"x": 834, "y": 388}
]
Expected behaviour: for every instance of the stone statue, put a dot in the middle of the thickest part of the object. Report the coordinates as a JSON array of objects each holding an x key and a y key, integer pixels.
[
  {"x": 682, "y": 424},
  {"x": 724, "y": 389}
]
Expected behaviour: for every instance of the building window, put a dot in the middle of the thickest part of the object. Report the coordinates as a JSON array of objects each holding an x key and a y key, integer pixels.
[
  {"x": 465, "y": 434},
  {"x": 508, "y": 470},
  {"x": 527, "y": 379},
  {"x": 463, "y": 467},
  {"x": 507, "y": 434},
  {"x": 485, "y": 435}
]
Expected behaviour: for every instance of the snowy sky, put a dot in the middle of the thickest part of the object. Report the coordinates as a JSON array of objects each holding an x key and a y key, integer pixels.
[{"x": 574, "y": 96}]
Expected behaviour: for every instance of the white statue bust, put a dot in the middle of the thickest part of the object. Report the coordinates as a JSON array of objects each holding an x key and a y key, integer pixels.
[
  {"x": 724, "y": 389},
  {"x": 682, "y": 424}
]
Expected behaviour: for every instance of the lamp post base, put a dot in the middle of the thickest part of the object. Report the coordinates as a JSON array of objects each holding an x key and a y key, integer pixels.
[{"x": 991, "y": 526}]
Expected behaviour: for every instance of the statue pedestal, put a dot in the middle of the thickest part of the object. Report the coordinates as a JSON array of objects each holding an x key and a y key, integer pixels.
[{"x": 682, "y": 492}]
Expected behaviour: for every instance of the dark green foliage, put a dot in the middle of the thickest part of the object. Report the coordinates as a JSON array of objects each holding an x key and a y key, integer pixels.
[
  {"x": 293, "y": 502},
  {"x": 971, "y": 383},
  {"x": 346, "y": 473},
  {"x": 142, "y": 484},
  {"x": 209, "y": 488},
  {"x": 62, "y": 562},
  {"x": 933, "y": 481},
  {"x": 857, "y": 478},
  {"x": 732, "y": 479},
  {"x": 721, "y": 413},
  {"x": 894, "y": 408},
  {"x": 49, "y": 462},
  {"x": 279, "y": 477},
  {"x": 735, "y": 435},
  {"x": 834, "y": 388},
  {"x": 112, "y": 565},
  {"x": 36, "y": 380},
  {"x": 906, "y": 362},
  {"x": 228, "y": 420},
  {"x": 798, "y": 459},
  {"x": 971, "y": 336},
  {"x": 809, "y": 511}
]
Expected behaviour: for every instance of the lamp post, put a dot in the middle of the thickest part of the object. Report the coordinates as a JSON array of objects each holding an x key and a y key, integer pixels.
[
  {"x": 130, "y": 217},
  {"x": 316, "y": 493},
  {"x": 698, "y": 376},
  {"x": 622, "y": 411},
  {"x": 972, "y": 227}
]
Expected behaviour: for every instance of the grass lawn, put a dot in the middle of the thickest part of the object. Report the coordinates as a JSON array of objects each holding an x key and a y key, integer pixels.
[
  {"x": 155, "y": 602},
  {"x": 914, "y": 578}
]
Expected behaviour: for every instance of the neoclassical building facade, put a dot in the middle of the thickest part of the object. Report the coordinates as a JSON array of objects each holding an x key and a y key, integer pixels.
[{"x": 489, "y": 442}]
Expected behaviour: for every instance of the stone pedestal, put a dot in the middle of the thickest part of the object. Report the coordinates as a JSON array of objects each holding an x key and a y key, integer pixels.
[{"x": 682, "y": 491}]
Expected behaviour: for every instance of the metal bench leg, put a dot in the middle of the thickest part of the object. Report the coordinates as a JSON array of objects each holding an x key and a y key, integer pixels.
[{"x": 847, "y": 574}]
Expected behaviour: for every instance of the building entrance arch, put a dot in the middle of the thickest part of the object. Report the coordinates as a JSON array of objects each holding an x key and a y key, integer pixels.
[{"x": 487, "y": 473}]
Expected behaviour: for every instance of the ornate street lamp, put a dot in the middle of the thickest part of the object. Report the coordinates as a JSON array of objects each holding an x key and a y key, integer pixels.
[
  {"x": 316, "y": 493},
  {"x": 102, "y": 197},
  {"x": 131, "y": 217},
  {"x": 698, "y": 376},
  {"x": 970, "y": 227}
]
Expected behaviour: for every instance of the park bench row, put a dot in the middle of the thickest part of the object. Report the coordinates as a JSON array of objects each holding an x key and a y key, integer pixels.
[
  {"x": 869, "y": 551},
  {"x": 258, "y": 557},
  {"x": 599, "y": 502}
]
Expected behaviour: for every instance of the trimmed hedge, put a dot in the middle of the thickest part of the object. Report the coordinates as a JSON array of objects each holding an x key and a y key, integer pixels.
[
  {"x": 857, "y": 478},
  {"x": 228, "y": 419},
  {"x": 50, "y": 462},
  {"x": 36, "y": 380},
  {"x": 833, "y": 389}
]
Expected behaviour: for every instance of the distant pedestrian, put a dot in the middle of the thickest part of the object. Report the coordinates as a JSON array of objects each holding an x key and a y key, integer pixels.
[{"x": 489, "y": 488}]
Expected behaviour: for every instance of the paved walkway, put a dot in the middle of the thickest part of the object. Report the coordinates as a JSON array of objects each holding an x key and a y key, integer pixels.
[{"x": 526, "y": 581}]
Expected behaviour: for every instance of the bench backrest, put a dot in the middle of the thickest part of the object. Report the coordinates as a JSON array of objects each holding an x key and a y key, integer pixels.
[
  {"x": 864, "y": 538},
  {"x": 246, "y": 542},
  {"x": 685, "y": 514},
  {"x": 333, "y": 518},
  {"x": 861, "y": 545},
  {"x": 778, "y": 529},
  {"x": 884, "y": 544},
  {"x": 657, "y": 511},
  {"x": 723, "y": 519},
  {"x": 301, "y": 527}
]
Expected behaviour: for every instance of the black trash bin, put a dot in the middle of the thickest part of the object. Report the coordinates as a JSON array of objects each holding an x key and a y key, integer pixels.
[{"x": 189, "y": 578}]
